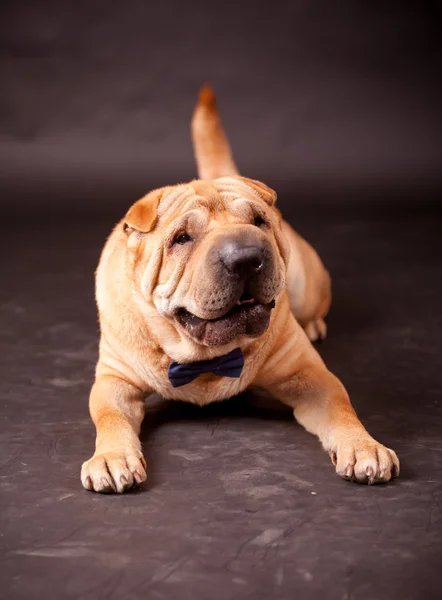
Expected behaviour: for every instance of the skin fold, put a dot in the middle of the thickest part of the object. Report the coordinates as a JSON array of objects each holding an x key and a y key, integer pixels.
[{"x": 193, "y": 271}]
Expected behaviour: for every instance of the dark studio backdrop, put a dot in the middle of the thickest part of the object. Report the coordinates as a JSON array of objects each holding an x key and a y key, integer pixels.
[
  {"x": 337, "y": 105},
  {"x": 325, "y": 100}
]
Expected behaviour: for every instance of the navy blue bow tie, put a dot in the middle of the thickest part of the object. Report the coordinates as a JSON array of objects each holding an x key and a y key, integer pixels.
[{"x": 229, "y": 365}]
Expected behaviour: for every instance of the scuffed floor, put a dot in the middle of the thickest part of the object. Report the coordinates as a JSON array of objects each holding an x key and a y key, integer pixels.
[{"x": 241, "y": 503}]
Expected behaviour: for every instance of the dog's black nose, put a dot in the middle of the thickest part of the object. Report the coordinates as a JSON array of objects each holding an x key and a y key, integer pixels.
[{"x": 240, "y": 259}]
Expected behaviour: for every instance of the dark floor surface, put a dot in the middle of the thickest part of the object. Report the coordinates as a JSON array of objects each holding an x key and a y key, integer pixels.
[{"x": 241, "y": 502}]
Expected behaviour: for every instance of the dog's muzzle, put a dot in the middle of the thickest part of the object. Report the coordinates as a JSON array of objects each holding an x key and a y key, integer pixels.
[{"x": 238, "y": 294}]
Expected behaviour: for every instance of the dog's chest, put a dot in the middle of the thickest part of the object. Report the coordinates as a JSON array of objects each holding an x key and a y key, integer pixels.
[{"x": 206, "y": 388}]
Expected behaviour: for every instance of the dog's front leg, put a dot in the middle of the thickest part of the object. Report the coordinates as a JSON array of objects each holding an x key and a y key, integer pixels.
[
  {"x": 321, "y": 404},
  {"x": 117, "y": 410}
]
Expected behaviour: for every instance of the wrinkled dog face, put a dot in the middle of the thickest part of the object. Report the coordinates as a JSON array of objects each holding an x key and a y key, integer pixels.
[{"x": 210, "y": 256}]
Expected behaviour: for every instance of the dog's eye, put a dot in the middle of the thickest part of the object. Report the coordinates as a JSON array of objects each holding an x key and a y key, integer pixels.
[
  {"x": 182, "y": 238},
  {"x": 259, "y": 221}
]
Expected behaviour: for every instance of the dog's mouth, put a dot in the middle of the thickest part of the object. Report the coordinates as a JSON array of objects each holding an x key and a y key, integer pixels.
[
  {"x": 247, "y": 317},
  {"x": 246, "y": 298}
]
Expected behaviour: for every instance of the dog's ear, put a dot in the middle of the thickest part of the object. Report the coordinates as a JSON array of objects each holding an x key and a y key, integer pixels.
[
  {"x": 264, "y": 192},
  {"x": 142, "y": 215}
]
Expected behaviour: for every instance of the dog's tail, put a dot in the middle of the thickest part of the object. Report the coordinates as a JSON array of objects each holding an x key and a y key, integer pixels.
[{"x": 211, "y": 146}]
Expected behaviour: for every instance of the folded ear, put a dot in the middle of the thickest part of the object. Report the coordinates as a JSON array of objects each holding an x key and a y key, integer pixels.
[
  {"x": 263, "y": 190},
  {"x": 142, "y": 215}
]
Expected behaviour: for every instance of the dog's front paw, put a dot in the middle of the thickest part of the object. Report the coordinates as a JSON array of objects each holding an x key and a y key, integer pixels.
[
  {"x": 365, "y": 461},
  {"x": 113, "y": 472}
]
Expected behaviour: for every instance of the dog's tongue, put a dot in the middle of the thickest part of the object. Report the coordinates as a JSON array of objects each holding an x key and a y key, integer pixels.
[
  {"x": 246, "y": 298},
  {"x": 241, "y": 302}
]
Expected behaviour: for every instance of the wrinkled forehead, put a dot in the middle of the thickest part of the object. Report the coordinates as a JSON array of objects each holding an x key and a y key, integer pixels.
[{"x": 209, "y": 199}]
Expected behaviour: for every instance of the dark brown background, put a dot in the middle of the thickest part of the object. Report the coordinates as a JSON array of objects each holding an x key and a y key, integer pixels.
[
  {"x": 335, "y": 104},
  {"x": 316, "y": 96}
]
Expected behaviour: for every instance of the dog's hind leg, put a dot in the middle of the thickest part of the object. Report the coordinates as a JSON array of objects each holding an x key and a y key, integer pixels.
[
  {"x": 308, "y": 286},
  {"x": 316, "y": 330}
]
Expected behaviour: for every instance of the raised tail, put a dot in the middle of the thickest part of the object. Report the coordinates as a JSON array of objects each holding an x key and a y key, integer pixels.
[{"x": 212, "y": 149}]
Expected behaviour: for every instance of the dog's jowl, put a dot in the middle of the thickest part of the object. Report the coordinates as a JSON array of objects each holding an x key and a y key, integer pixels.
[{"x": 203, "y": 290}]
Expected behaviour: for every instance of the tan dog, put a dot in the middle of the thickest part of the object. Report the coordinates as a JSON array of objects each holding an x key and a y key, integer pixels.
[{"x": 203, "y": 270}]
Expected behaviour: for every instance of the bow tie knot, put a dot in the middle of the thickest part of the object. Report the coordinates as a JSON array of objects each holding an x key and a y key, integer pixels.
[{"x": 228, "y": 365}]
